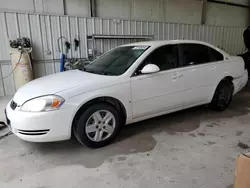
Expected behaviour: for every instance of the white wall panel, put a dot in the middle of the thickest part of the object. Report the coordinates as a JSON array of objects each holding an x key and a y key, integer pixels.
[
  {"x": 148, "y": 10},
  {"x": 4, "y": 49},
  {"x": 49, "y": 6},
  {"x": 183, "y": 11},
  {"x": 17, "y": 5},
  {"x": 53, "y": 6},
  {"x": 9, "y": 85},
  {"x": 226, "y": 15},
  {"x": 36, "y": 35},
  {"x": 113, "y": 9},
  {"x": 77, "y": 7}
]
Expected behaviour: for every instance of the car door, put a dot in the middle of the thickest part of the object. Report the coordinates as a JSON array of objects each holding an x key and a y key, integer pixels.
[
  {"x": 199, "y": 70},
  {"x": 157, "y": 92}
]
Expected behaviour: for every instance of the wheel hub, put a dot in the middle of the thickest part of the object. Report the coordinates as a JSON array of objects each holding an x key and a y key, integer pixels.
[{"x": 100, "y": 125}]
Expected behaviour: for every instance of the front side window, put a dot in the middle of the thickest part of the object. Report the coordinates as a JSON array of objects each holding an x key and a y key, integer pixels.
[
  {"x": 194, "y": 54},
  {"x": 165, "y": 58},
  {"x": 117, "y": 61}
]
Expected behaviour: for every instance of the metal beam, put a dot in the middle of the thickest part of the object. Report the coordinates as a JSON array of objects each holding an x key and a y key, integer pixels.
[{"x": 228, "y": 3}]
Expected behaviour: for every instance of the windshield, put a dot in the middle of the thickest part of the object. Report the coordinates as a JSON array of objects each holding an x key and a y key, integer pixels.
[{"x": 117, "y": 61}]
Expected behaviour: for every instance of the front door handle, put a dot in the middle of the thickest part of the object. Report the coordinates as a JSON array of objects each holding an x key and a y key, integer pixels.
[
  {"x": 175, "y": 76},
  {"x": 213, "y": 68}
]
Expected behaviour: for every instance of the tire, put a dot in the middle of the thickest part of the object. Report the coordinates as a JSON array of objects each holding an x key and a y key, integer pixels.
[
  {"x": 222, "y": 96},
  {"x": 93, "y": 131}
]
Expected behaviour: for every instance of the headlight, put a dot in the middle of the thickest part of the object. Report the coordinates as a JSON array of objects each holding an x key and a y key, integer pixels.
[{"x": 43, "y": 104}]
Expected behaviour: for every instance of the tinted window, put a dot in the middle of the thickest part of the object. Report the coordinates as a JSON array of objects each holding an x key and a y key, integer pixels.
[
  {"x": 215, "y": 55},
  {"x": 165, "y": 58},
  {"x": 117, "y": 61},
  {"x": 194, "y": 54}
]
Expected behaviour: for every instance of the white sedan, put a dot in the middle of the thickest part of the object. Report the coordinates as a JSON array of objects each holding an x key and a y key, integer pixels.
[{"x": 128, "y": 84}]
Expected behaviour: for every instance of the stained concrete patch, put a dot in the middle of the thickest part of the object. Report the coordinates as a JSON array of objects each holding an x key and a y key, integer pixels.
[
  {"x": 123, "y": 158},
  {"x": 230, "y": 186},
  {"x": 201, "y": 134},
  {"x": 209, "y": 143},
  {"x": 243, "y": 145},
  {"x": 239, "y": 133},
  {"x": 210, "y": 125},
  {"x": 192, "y": 134}
]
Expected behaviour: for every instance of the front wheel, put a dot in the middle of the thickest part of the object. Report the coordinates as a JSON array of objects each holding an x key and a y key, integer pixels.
[
  {"x": 223, "y": 96},
  {"x": 98, "y": 126}
]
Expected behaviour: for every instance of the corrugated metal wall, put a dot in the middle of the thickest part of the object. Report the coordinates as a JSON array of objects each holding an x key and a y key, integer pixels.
[{"x": 44, "y": 30}]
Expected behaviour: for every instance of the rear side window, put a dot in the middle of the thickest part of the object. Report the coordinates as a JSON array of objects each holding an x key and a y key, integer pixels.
[
  {"x": 215, "y": 55},
  {"x": 194, "y": 54}
]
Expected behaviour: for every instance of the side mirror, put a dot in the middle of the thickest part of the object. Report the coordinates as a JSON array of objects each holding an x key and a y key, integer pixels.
[{"x": 150, "y": 68}]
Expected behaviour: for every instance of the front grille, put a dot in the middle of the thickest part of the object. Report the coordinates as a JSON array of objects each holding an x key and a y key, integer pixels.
[
  {"x": 13, "y": 105},
  {"x": 33, "y": 132}
]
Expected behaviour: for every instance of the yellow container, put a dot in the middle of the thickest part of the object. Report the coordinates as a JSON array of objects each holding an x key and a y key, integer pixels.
[{"x": 22, "y": 66}]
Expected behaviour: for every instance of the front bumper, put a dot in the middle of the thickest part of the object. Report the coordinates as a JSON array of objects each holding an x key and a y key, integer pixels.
[
  {"x": 241, "y": 82},
  {"x": 41, "y": 127}
]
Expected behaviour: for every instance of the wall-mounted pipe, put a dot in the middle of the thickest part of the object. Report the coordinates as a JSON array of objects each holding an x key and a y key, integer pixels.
[
  {"x": 64, "y": 7},
  {"x": 203, "y": 13},
  {"x": 92, "y": 4}
]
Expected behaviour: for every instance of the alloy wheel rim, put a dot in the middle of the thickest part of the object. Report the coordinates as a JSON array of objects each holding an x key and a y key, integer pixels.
[{"x": 100, "y": 125}]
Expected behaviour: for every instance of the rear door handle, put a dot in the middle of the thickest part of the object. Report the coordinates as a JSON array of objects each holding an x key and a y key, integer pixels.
[
  {"x": 174, "y": 76},
  {"x": 213, "y": 68}
]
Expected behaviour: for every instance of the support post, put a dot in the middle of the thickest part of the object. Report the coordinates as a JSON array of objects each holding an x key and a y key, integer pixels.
[{"x": 203, "y": 12}]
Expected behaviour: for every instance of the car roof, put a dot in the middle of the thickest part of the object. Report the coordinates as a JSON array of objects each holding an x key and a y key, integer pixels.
[
  {"x": 165, "y": 42},
  {"x": 159, "y": 43}
]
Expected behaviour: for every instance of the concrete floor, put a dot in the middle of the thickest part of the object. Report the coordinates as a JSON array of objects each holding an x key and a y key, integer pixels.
[{"x": 194, "y": 148}]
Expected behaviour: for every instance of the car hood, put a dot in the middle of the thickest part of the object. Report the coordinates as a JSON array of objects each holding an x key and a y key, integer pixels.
[{"x": 59, "y": 82}]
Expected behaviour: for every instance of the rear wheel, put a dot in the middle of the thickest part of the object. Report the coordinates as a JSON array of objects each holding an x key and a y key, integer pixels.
[
  {"x": 223, "y": 96},
  {"x": 98, "y": 125}
]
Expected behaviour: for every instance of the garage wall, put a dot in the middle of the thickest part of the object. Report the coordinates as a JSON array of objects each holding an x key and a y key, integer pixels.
[
  {"x": 48, "y": 6},
  {"x": 188, "y": 11},
  {"x": 180, "y": 11},
  {"x": 220, "y": 14},
  {"x": 159, "y": 19},
  {"x": 33, "y": 6},
  {"x": 114, "y": 9},
  {"x": 77, "y": 7},
  {"x": 15, "y": 5},
  {"x": 45, "y": 30}
]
